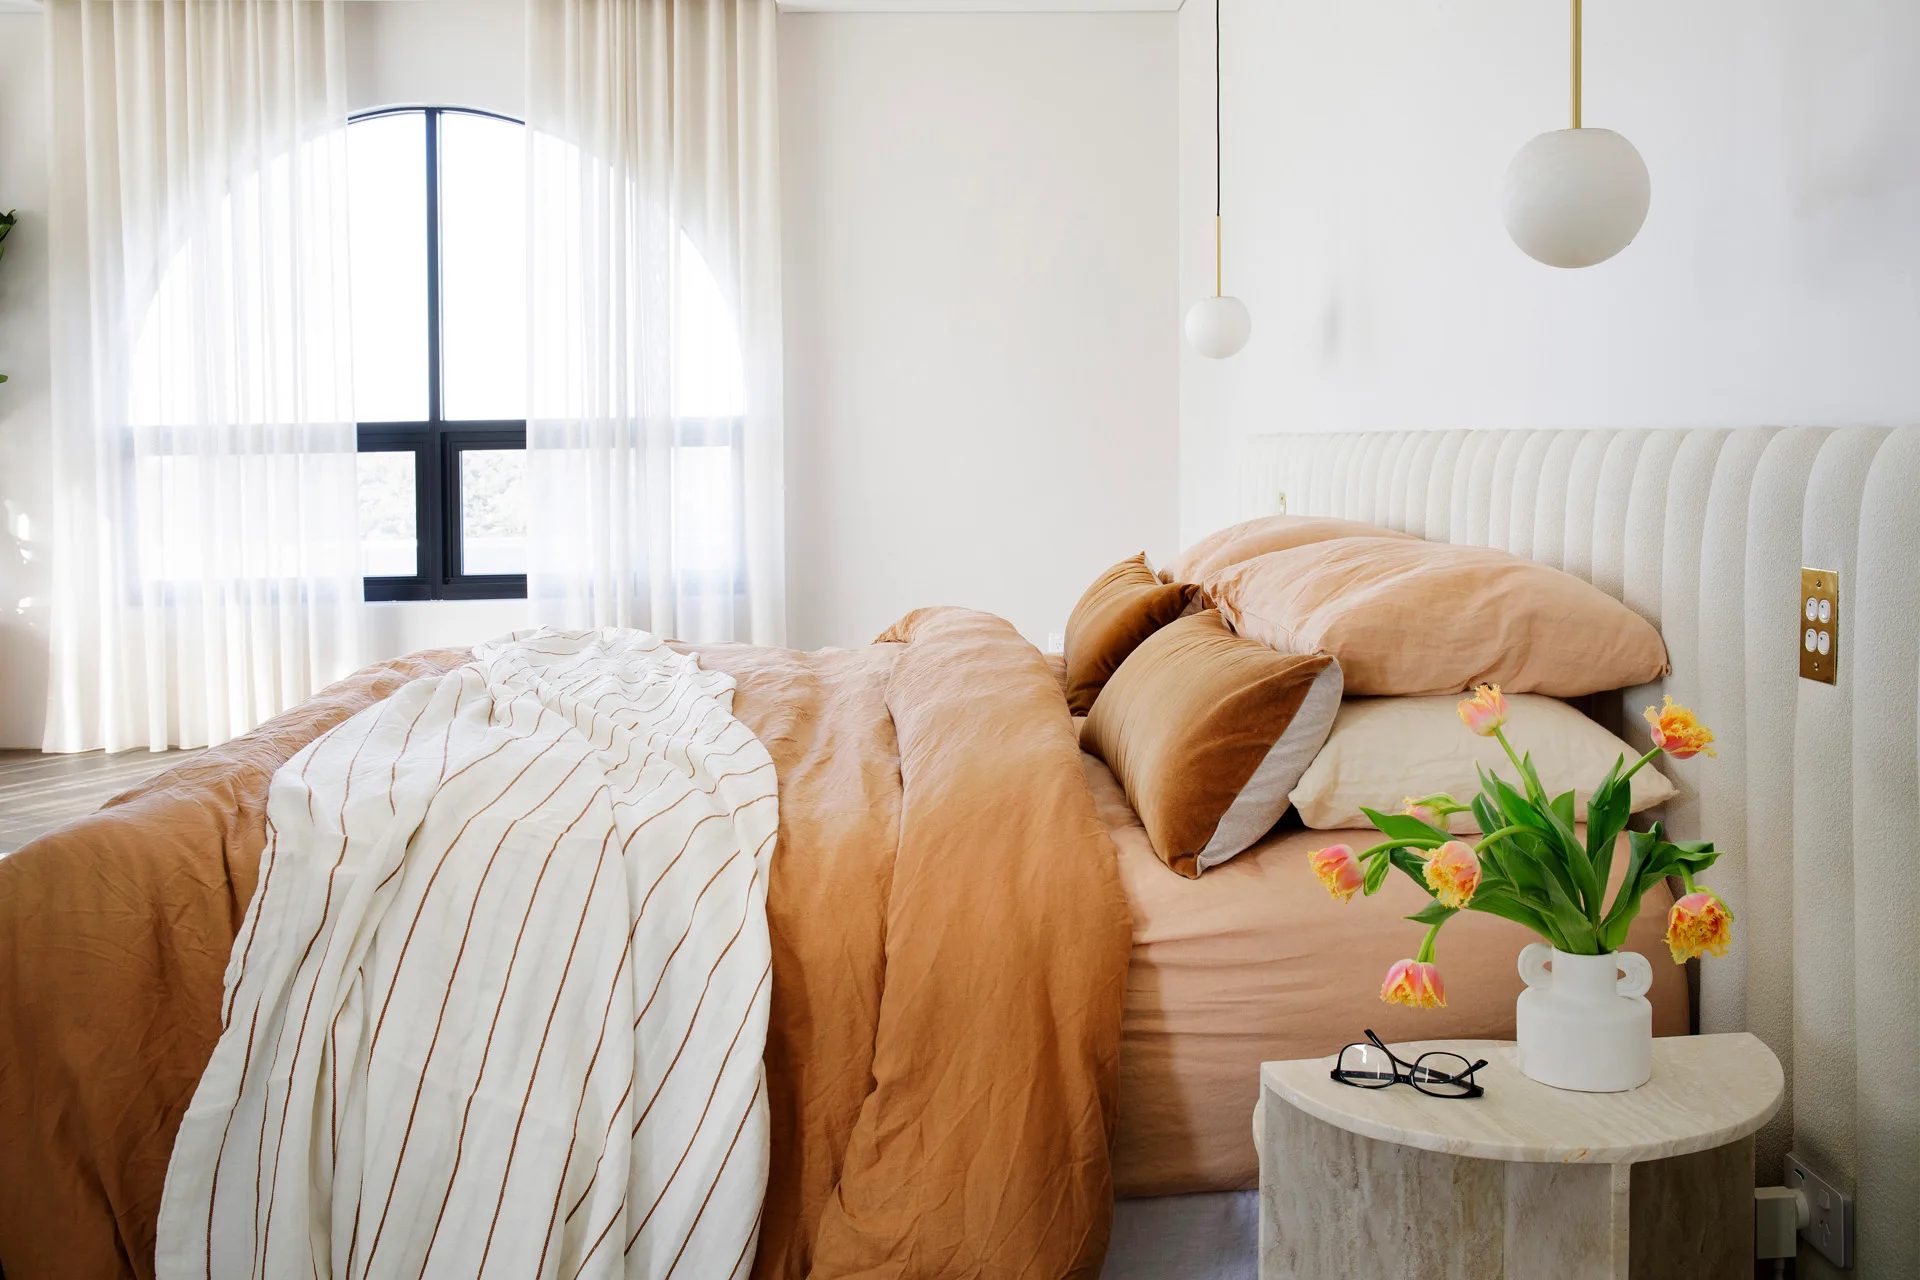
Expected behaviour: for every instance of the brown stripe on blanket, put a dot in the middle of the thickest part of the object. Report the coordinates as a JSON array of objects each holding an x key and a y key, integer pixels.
[{"x": 950, "y": 945}]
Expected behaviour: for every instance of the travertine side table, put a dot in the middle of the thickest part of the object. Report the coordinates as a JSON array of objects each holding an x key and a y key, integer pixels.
[{"x": 1525, "y": 1183}]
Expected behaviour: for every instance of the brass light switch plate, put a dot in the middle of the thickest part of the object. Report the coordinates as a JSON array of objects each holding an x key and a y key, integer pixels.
[{"x": 1819, "y": 628}]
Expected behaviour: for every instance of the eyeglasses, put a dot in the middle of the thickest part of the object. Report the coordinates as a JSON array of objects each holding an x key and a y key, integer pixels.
[{"x": 1438, "y": 1075}]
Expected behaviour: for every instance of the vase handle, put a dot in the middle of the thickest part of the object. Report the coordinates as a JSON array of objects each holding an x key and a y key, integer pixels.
[
  {"x": 1637, "y": 973},
  {"x": 1534, "y": 970}
]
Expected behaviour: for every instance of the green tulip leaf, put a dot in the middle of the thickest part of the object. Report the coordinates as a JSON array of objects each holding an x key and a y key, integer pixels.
[{"x": 1435, "y": 912}]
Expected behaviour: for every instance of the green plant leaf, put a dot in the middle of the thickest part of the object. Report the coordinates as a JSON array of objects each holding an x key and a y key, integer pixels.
[
  {"x": 1413, "y": 865},
  {"x": 1607, "y": 814},
  {"x": 1562, "y": 807},
  {"x": 1435, "y": 912},
  {"x": 1376, "y": 874},
  {"x": 1496, "y": 902},
  {"x": 1406, "y": 829}
]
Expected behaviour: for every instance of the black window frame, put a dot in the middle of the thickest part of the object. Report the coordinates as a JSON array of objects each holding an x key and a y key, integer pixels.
[{"x": 437, "y": 443}]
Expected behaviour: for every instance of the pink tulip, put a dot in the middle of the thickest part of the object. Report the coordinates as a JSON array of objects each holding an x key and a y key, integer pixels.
[
  {"x": 1429, "y": 814},
  {"x": 1337, "y": 869},
  {"x": 1416, "y": 984},
  {"x": 1485, "y": 711},
  {"x": 1699, "y": 924},
  {"x": 1453, "y": 873}
]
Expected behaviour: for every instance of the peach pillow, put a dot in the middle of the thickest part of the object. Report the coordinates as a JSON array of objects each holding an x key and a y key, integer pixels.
[
  {"x": 1252, "y": 538},
  {"x": 1413, "y": 617}
]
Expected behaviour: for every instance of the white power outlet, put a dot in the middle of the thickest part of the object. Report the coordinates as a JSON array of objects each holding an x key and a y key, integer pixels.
[
  {"x": 1056, "y": 642},
  {"x": 1829, "y": 1222}
]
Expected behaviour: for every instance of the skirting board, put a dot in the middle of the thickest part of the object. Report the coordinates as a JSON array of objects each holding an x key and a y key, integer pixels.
[{"x": 1213, "y": 1236}]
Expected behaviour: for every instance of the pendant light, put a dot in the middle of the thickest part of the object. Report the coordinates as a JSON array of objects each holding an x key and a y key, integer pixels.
[
  {"x": 1219, "y": 326},
  {"x": 1576, "y": 197}
]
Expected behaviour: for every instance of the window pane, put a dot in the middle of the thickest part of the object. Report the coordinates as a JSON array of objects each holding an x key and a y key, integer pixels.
[
  {"x": 387, "y": 529},
  {"x": 483, "y": 267},
  {"x": 493, "y": 511},
  {"x": 387, "y": 223}
]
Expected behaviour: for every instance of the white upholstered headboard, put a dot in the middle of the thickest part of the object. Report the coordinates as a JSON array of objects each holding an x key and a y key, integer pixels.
[{"x": 1816, "y": 793}]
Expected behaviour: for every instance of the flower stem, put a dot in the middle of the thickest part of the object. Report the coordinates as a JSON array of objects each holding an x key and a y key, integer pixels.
[
  {"x": 1426, "y": 947},
  {"x": 1637, "y": 764},
  {"x": 1501, "y": 834},
  {"x": 1508, "y": 748}
]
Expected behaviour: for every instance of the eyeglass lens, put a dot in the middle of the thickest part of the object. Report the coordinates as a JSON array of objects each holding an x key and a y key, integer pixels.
[
  {"x": 1366, "y": 1066},
  {"x": 1442, "y": 1074}
]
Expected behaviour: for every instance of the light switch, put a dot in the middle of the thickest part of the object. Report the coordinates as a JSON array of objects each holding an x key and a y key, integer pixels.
[{"x": 1819, "y": 625}]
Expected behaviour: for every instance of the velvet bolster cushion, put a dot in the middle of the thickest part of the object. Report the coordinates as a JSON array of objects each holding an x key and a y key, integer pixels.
[
  {"x": 1208, "y": 732},
  {"x": 1124, "y": 606}
]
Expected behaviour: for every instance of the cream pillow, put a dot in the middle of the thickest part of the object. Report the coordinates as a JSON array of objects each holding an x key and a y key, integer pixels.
[{"x": 1382, "y": 750}]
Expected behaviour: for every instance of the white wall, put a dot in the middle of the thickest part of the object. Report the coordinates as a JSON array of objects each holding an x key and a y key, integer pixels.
[
  {"x": 26, "y": 465},
  {"x": 981, "y": 320},
  {"x": 981, "y": 307},
  {"x": 1777, "y": 279}
]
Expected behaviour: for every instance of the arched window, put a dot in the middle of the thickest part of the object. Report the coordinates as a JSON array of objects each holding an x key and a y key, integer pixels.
[
  {"x": 439, "y": 267},
  {"x": 437, "y": 246}
]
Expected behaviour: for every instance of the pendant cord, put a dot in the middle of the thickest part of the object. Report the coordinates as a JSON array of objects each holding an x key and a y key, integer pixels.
[
  {"x": 1216, "y": 147},
  {"x": 1576, "y": 63}
]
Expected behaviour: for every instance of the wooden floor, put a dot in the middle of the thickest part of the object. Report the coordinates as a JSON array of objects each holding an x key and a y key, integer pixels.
[{"x": 40, "y": 792}]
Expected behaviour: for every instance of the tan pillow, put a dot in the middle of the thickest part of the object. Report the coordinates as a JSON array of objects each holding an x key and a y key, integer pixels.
[
  {"x": 1409, "y": 617},
  {"x": 1124, "y": 606},
  {"x": 1383, "y": 750},
  {"x": 1207, "y": 733},
  {"x": 1252, "y": 538}
]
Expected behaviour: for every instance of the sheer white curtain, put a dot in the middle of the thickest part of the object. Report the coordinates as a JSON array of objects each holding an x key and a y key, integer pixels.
[
  {"x": 654, "y": 416},
  {"x": 206, "y": 519}
]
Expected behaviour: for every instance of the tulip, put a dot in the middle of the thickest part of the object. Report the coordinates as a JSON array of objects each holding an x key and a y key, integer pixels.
[
  {"x": 1337, "y": 869},
  {"x": 1677, "y": 732},
  {"x": 1427, "y": 813},
  {"x": 1699, "y": 924},
  {"x": 1453, "y": 873},
  {"x": 1485, "y": 711},
  {"x": 1416, "y": 984}
]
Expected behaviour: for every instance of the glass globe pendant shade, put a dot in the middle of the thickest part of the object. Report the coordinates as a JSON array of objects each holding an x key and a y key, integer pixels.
[
  {"x": 1218, "y": 327},
  {"x": 1576, "y": 197}
]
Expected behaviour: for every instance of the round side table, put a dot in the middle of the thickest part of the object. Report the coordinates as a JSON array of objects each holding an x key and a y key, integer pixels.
[{"x": 1525, "y": 1183}]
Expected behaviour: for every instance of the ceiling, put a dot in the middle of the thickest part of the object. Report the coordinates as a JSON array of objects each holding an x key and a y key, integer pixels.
[{"x": 979, "y": 6}]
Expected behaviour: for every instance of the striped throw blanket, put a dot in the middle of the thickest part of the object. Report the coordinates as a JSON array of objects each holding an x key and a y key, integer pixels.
[{"x": 500, "y": 1002}]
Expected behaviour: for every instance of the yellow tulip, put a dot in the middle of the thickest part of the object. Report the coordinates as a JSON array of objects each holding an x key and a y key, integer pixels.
[
  {"x": 1485, "y": 711},
  {"x": 1678, "y": 732}
]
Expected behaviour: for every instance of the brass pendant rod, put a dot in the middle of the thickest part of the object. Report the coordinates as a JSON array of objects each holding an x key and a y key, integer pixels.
[
  {"x": 1576, "y": 64},
  {"x": 1216, "y": 147}
]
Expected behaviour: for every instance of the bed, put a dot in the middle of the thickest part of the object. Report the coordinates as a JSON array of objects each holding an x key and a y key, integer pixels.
[{"x": 1103, "y": 1046}]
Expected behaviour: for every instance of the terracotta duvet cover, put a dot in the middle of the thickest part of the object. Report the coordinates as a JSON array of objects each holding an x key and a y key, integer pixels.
[{"x": 950, "y": 945}]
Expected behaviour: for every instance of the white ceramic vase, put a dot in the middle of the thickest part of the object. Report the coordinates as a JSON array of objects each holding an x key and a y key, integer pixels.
[{"x": 1584, "y": 1022}]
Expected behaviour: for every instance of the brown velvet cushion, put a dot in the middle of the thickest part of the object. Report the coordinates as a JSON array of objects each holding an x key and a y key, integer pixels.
[
  {"x": 1252, "y": 538},
  {"x": 1124, "y": 606},
  {"x": 1432, "y": 617},
  {"x": 1208, "y": 732}
]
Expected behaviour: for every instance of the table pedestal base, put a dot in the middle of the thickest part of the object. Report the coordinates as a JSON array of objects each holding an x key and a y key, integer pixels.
[{"x": 1334, "y": 1204}]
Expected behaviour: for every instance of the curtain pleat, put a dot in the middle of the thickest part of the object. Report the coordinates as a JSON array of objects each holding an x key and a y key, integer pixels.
[
  {"x": 206, "y": 519},
  {"x": 654, "y": 420}
]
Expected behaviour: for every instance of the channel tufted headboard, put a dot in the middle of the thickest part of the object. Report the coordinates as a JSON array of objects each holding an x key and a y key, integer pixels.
[{"x": 1815, "y": 795}]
